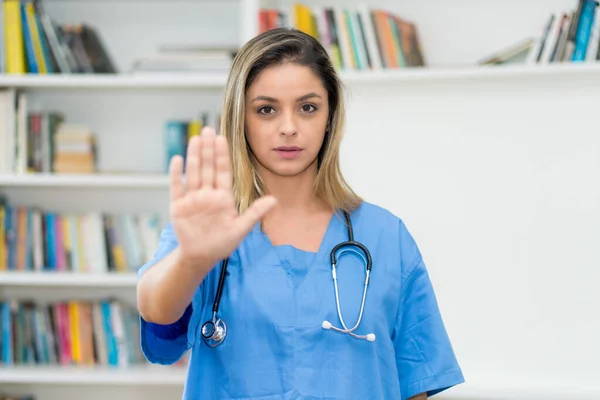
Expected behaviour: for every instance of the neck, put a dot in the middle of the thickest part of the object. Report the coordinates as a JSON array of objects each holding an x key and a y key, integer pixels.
[{"x": 295, "y": 193}]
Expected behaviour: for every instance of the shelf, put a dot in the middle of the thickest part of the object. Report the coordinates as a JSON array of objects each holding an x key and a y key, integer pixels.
[
  {"x": 175, "y": 375},
  {"x": 84, "y": 375},
  {"x": 131, "y": 181},
  {"x": 511, "y": 390},
  {"x": 112, "y": 81},
  {"x": 218, "y": 80},
  {"x": 471, "y": 73},
  {"x": 67, "y": 279}
]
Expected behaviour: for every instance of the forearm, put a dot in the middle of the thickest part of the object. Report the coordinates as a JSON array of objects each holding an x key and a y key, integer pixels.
[
  {"x": 167, "y": 288},
  {"x": 422, "y": 396}
]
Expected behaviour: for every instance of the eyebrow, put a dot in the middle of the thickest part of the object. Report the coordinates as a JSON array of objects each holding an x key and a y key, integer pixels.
[{"x": 273, "y": 100}]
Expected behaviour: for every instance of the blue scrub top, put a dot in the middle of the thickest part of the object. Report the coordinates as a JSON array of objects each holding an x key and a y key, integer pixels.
[{"x": 274, "y": 301}]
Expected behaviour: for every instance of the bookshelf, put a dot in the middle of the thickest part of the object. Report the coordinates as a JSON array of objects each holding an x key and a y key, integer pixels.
[
  {"x": 452, "y": 109},
  {"x": 68, "y": 279},
  {"x": 142, "y": 375},
  {"x": 115, "y": 81},
  {"x": 194, "y": 82},
  {"x": 48, "y": 180}
]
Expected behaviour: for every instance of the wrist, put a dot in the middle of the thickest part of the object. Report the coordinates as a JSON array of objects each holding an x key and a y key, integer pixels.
[{"x": 193, "y": 267}]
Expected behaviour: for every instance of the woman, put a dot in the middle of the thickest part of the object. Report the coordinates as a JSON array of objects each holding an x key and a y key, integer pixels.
[{"x": 264, "y": 203}]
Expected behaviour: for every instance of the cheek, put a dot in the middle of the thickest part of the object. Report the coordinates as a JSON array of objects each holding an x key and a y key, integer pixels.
[
  {"x": 314, "y": 130},
  {"x": 256, "y": 135},
  {"x": 252, "y": 130}
]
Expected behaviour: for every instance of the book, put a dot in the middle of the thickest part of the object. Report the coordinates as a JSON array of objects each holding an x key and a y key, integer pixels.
[
  {"x": 67, "y": 332},
  {"x": 565, "y": 35},
  {"x": 356, "y": 38},
  {"x": 34, "y": 43},
  {"x": 34, "y": 239}
]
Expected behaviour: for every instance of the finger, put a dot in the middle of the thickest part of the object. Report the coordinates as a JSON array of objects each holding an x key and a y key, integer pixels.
[
  {"x": 254, "y": 214},
  {"x": 175, "y": 173},
  {"x": 222, "y": 163},
  {"x": 207, "y": 163},
  {"x": 192, "y": 169}
]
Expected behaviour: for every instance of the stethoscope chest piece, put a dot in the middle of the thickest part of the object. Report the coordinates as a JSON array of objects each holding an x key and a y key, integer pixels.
[{"x": 214, "y": 332}]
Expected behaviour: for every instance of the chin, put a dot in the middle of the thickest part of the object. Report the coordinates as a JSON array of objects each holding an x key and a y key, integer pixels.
[{"x": 289, "y": 169}]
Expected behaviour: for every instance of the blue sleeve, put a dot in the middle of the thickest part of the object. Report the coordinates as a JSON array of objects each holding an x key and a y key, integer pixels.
[
  {"x": 164, "y": 344},
  {"x": 424, "y": 355}
]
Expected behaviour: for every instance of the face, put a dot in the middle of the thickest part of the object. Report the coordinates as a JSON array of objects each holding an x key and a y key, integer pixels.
[{"x": 286, "y": 118}]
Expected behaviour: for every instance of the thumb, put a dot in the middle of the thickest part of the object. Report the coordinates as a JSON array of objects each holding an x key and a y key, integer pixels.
[{"x": 254, "y": 213}]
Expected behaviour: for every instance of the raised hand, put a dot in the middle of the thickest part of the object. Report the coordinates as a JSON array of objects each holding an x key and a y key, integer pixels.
[{"x": 203, "y": 210}]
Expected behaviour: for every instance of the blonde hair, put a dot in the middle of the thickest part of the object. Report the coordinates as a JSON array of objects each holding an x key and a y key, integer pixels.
[{"x": 274, "y": 47}]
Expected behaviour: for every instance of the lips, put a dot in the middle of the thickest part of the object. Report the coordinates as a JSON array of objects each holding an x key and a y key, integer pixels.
[
  {"x": 288, "y": 152},
  {"x": 288, "y": 148}
]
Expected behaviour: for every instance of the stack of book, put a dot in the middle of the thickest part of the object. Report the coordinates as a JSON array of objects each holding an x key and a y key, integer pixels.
[
  {"x": 178, "y": 132},
  {"x": 32, "y": 239},
  {"x": 186, "y": 59},
  {"x": 70, "y": 332},
  {"x": 567, "y": 36},
  {"x": 33, "y": 43},
  {"x": 42, "y": 141},
  {"x": 74, "y": 149},
  {"x": 356, "y": 39}
]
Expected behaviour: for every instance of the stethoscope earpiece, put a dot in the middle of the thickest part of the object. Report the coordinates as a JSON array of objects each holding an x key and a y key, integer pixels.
[{"x": 327, "y": 325}]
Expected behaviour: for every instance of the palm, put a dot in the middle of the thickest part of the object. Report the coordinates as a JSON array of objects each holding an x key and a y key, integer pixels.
[{"x": 204, "y": 213}]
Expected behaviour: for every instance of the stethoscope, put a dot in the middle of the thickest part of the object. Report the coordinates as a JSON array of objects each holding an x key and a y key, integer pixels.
[{"x": 214, "y": 331}]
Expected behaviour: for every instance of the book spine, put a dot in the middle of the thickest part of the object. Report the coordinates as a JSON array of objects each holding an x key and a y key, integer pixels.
[{"x": 584, "y": 30}]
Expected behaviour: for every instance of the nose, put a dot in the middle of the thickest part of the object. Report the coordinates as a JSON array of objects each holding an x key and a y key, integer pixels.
[{"x": 288, "y": 124}]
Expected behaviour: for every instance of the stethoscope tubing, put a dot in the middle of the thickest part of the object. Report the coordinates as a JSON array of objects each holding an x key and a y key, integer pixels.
[{"x": 214, "y": 331}]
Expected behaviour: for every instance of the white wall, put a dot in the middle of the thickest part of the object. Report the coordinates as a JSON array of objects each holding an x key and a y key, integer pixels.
[{"x": 498, "y": 182}]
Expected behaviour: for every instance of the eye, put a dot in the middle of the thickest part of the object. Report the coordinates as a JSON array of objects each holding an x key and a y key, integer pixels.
[
  {"x": 309, "y": 108},
  {"x": 266, "y": 110}
]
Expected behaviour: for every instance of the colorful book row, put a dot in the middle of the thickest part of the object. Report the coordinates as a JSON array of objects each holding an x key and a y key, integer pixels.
[
  {"x": 177, "y": 134},
  {"x": 569, "y": 36},
  {"x": 356, "y": 39},
  {"x": 69, "y": 333},
  {"x": 34, "y": 43},
  {"x": 32, "y": 239}
]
